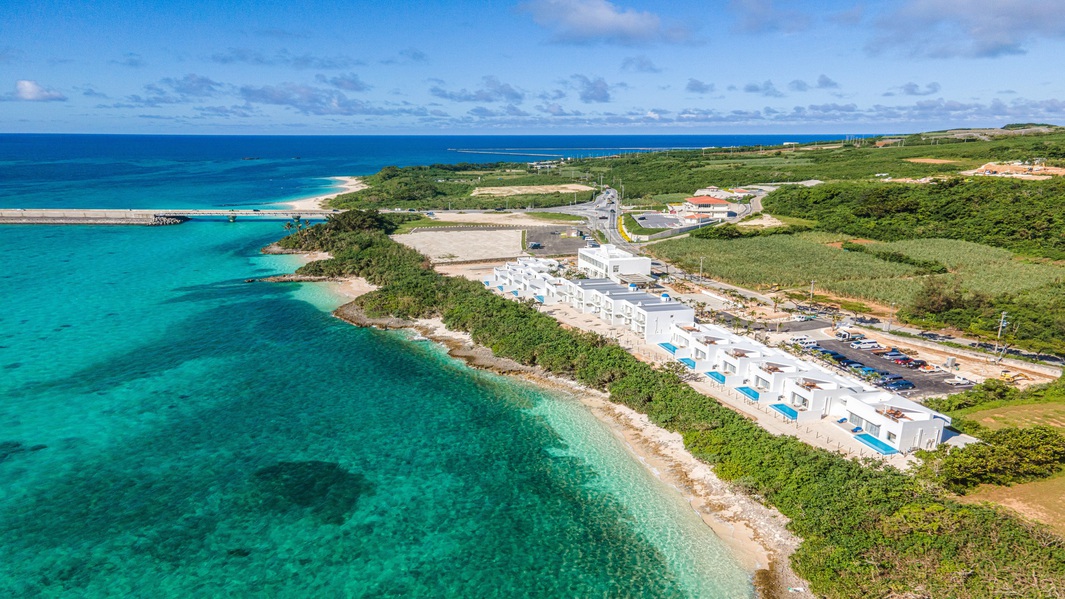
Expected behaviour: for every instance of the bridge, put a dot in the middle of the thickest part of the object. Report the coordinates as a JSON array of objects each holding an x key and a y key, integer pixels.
[{"x": 73, "y": 216}]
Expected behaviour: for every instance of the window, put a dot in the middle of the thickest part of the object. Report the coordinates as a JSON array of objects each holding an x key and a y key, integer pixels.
[
  {"x": 874, "y": 429},
  {"x": 761, "y": 383},
  {"x": 891, "y": 436}
]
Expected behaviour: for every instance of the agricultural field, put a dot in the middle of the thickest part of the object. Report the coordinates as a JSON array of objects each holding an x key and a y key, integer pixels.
[
  {"x": 778, "y": 261},
  {"x": 792, "y": 261}
]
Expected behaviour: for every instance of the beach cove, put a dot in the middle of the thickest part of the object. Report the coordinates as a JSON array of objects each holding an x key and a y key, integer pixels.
[
  {"x": 756, "y": 536},
  {"x": 160, "y": 415}
]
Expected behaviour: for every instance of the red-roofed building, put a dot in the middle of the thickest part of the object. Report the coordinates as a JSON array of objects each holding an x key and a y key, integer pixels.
[{"x": 707, "y": 206}]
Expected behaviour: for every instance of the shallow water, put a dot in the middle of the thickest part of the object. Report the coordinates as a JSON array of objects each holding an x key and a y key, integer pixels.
[
  {"x": 167, "y": 429},
  {"x": 150, "y": 396}
]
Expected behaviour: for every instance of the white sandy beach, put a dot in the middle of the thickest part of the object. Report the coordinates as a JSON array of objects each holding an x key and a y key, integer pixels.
[
  {"x": 348, "y": 185},
  {"x": 757, "y": 535}
]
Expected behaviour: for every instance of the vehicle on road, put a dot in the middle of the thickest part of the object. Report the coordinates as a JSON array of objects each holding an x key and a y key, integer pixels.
[
  {"x": 958, "y": 381},
  {"x": 865, "y": 344}
]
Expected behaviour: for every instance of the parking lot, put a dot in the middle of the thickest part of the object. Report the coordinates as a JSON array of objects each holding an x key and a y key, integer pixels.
[
  {"x": 551, "y": 241},
  {"x": 656, "y": 220},
  {"x": 927, "y": 383}
]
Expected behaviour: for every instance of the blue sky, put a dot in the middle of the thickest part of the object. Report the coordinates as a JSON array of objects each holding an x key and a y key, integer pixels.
[{"x": 533, "y": 66}]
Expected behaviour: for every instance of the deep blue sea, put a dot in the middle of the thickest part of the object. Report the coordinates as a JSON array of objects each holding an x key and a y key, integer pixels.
[{"x": 168, "y": 430}]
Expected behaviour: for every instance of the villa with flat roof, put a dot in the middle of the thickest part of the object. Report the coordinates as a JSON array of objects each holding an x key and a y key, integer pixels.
[
  {"x": 608, "y": 262},
  {"x": 651, "y": 316},
  {"x": 802, "y": 391}
]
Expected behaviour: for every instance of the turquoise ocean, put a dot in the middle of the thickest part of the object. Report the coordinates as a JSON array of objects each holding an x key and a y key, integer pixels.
[{"x": 168, "y": 430}]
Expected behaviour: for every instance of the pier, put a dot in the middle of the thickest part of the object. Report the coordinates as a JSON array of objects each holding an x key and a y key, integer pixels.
[{"x": 143, "y": 217}]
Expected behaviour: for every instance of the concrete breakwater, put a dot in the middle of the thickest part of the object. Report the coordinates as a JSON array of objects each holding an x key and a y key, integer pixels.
[
  {"x": 60, "y": 216},
  {"x": 88, "y": 217}
]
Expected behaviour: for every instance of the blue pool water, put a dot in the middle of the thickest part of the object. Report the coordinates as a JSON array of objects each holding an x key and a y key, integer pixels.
[
  {"x": 669, "y": 347},
  {"x": 687, "y": 362},
  {"x": 786, "y": 410},
  {"x": 717, "y": 376},
  {"x": 877, "y": 444},
  {"x": 751, "y": 393}
]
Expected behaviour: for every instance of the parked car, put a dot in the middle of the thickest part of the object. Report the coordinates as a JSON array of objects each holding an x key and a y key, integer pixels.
[
  {"x": 903, "y": 360},
  {"x": 893, "y": 355},
  {"x": 868, "y": 371},
  {"x": 900, "y": 385},
  {"x": 915, "y": 364},
  {"x": 887, "y": 378},
  {"x": 849, "y": 363},
  {"x": 958, "y": 381}
]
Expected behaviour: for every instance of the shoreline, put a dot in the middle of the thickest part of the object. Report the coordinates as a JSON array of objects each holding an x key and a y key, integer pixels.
[
  {"x": 756, "y": 535},
  {"x": 347, "y": 185}
]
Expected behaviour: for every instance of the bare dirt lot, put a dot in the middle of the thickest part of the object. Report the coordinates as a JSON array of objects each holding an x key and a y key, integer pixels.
[
  {"x": 468, "y": 244},
  {"x": 514, "y": 190},
  {"x": 1017, "y": 171},
  {"x": 492, "y": 218}
]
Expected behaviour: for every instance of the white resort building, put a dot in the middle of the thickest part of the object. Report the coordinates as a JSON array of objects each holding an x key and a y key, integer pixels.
[
  {"x": 794, "y": 389},
  {"x": 608, "y": 262},
  {"x": 651, "y": 316},
  {"x": 803, "y": 391}
]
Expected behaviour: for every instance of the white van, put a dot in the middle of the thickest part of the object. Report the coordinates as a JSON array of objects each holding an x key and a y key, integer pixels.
[
  {"x": 865, "y": 344},
  {"x": 807, "y": 344},
  {"x": 798, "y": 339}
]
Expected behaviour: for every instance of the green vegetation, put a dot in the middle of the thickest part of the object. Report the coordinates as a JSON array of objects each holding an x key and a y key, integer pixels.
[
  {"x": 867, "y": 530},
  {"x": 731, "y": 231},
  {"x": 556, "y": 216},
  {"x": 445, "y": 185},
  {"x": 1023, "y": 216},
  {"x": 633, "y": 226},
  {"x": 1006, "y": 455},
  {"x": 650, "y": 175}
]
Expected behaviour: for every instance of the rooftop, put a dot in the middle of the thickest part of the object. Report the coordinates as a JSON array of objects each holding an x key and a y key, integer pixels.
[{"x": 704, "y": 201}]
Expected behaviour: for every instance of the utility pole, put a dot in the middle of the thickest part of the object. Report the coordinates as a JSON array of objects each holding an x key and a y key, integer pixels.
[
  {"x": 700, "y": 268},
  {"x": 891, "y": 318},
  {"x": 998, "y": 342},
  {"x": 812, "y": 291}
]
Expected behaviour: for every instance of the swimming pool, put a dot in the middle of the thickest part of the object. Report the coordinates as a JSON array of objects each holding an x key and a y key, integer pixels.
[
  {"x": 877, "y": 444},
  {"x": 687, "y": 362},
  {"x": 669, "y": 347},
  {"x": 717, "y": 376},
  {"x": 786, "y": 410},
  {"x": 749, "y": 392}
]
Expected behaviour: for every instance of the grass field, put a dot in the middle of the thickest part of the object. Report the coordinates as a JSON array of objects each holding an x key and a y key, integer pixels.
[
  {"x": 1043, "y": 500},
  {"x": 1049, "y": 414}
]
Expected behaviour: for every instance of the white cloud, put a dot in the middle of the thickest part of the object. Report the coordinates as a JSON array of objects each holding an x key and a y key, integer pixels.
[
  {"x": 639, "y": 64},
  {"x": 591, "y": 90},
  {"x": 699, "y": 87},
  {"x": 763, "y": 16},
  {"x": 968, "y": 28},
  {"x": 600, "y": 21},
  {"x": 31, "y": 91}
]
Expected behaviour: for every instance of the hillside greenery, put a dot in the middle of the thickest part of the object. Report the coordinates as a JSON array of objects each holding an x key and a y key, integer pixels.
[
  {"x": 868, "y": 530},
  {"x": 1027, "y": 217}
]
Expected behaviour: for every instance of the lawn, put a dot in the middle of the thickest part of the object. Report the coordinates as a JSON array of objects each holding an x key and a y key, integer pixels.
[{"x": 1049, "y": 414}]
